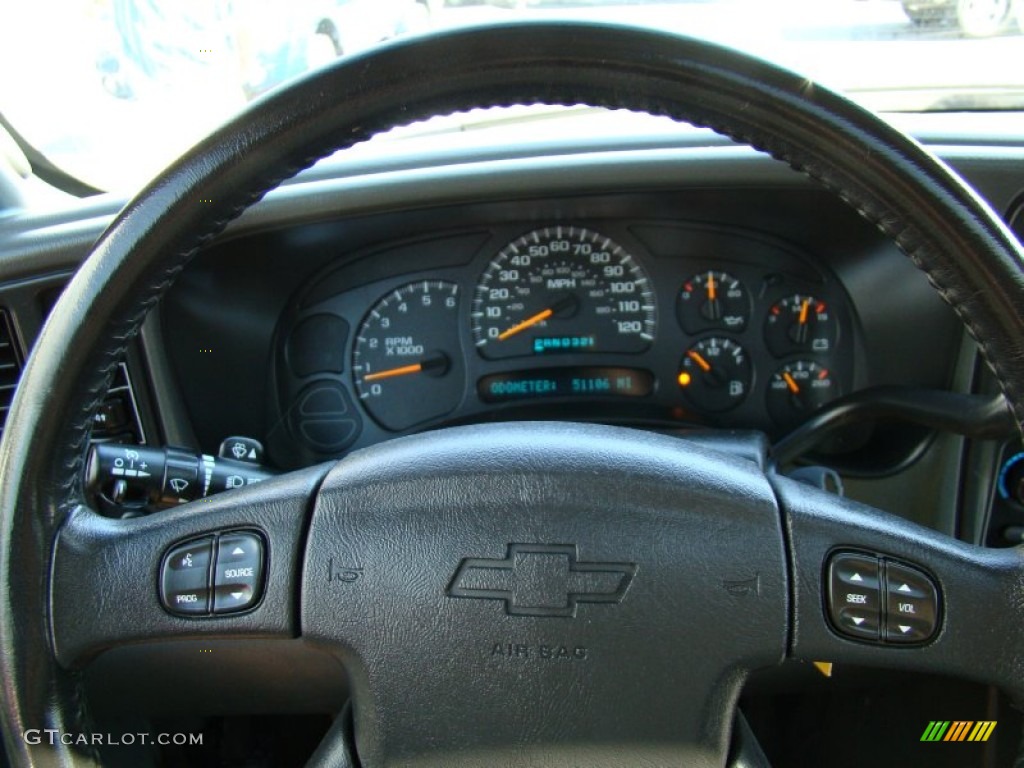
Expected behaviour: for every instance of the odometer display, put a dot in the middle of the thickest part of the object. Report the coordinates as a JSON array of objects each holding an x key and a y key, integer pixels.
[
  {"x": 565, "y": 382},
  {"x": 561, "y": 290}
]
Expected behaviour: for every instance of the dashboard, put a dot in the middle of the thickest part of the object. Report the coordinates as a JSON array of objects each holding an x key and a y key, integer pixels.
[
  {"x": 654, "y": 319},
  {"x": 693, "y": 286},
  {"x": 743, "y": 309},
  {"x": 688, "y": 289}
]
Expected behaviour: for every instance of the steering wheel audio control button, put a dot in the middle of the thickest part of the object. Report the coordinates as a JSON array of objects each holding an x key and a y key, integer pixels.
[
  {"x": 238, "y": 574},
  {"x": 854, "y": 598},
  {"x": 873, "y": 598},
  {"x": 189, "y": 586},
  {"x": 911, "y": 604},
  {"x": 185, "y": 578}
]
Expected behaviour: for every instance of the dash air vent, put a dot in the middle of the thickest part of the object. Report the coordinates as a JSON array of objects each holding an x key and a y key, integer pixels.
[{"x": 10, "y": 366}]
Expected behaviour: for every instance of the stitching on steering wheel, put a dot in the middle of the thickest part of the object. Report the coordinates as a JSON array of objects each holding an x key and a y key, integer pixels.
[
  {"x": 884, "y": 219},
  {"x": 111, "y": 355},
  {"x": 907, "y": 237}
]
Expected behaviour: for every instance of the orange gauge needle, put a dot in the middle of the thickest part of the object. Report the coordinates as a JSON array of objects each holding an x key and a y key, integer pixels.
[
  {"x": 791, "y": 383},
  {"x": 527, "y": 323},
  {"x": 712, "y": 292},
  {"x": 698, "y": 358},
  {"x": 803, "y": 311},
  {"x": 404, "y": 370}
]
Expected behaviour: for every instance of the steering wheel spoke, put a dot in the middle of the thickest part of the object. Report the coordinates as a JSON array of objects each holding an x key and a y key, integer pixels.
[
  {"x": 553, "y": 594},
  {"x": 469, "y": 577},
  {"x": 107, "y": 574},
  {"x": 911, "y": 578}
]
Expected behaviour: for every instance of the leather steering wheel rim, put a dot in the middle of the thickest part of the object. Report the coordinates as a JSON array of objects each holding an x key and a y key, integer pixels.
[{"x": 945, "y": 228}]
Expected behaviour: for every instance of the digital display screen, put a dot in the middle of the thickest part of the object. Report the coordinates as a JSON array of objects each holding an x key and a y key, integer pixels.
[
  {"x": 565, "y": 382},
  {"x": 546, "y": 344}
]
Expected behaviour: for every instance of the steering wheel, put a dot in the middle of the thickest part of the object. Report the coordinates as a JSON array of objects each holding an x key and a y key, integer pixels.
[{"x": 530, "y": 594}]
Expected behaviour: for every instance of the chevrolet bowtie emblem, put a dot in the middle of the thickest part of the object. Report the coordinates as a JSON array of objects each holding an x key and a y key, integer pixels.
[{"x": 541, "y": 580}]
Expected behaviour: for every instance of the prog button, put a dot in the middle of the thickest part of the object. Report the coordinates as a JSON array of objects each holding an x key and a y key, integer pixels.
[{"x": 185, "y": 578}]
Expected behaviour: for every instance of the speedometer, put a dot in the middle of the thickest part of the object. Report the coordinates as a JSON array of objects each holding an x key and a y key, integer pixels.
[{"x": 561, "y": 290}]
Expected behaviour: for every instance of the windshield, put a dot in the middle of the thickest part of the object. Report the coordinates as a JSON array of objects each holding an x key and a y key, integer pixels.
[{"x": 112, "y": 90}]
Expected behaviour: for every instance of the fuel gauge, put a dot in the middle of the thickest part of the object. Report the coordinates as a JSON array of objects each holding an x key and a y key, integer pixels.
[{"x": 715, "y": 374}]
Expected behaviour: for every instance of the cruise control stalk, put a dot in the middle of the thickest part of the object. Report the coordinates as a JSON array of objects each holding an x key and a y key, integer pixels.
[{"x": 126, "y": 474}]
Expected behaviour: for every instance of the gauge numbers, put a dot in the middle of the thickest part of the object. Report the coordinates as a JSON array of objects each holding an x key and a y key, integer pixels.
[
  {"x": 798, "y": 324},
  {"x": 406, "y": 361},
  {"x": 713, "y": 300},
  {"x": 798, "y": 389},
  {"x": 715, "y": 374},
  {"x": 561, "y": 290}
]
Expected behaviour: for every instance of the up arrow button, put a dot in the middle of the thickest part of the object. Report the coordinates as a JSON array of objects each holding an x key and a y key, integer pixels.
[
  {"x": 854, "y": 597},
  {"x": 238, "y": 574},
  {"x": 911, "y": 604}
]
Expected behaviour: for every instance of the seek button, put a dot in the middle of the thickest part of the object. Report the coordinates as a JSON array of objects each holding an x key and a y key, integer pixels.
[{"x": 854, "y": 602}]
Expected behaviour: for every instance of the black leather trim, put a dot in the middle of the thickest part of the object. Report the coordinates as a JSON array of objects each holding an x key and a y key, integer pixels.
[{"x": 969, "y": 255}]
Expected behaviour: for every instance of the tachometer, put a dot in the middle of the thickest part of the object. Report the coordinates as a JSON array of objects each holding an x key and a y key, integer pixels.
[
  {"x": 560, "y": 290},
  {"x": 406, "y": 361}
]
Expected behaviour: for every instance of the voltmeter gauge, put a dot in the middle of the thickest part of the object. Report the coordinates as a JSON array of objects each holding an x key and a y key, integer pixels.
[
  {"x": 798, "y": 389},
  {"x": 713, "y": 301},
  {"x": 406, "y": 362},
  {"x": 715, "y": 374},
  {"x": 800, "y": 323}
]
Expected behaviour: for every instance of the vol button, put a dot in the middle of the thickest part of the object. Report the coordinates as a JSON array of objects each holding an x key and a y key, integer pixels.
[{"x": 911, "y": 604}]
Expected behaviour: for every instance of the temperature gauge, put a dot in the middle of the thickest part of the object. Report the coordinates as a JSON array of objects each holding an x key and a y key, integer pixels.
[
  {"x": 715, "y": 374},
  {"x": 798, "y": 389},
  {"x": 800, "y": 323},
  {"x": 713, "y": 300}
]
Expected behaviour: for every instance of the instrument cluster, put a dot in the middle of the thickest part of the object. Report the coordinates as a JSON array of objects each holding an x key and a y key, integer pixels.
[{"x": 622, "y": 322}]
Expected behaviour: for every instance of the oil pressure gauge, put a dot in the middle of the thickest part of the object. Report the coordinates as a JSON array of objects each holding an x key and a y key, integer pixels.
[{"x": 713, "y": 300}]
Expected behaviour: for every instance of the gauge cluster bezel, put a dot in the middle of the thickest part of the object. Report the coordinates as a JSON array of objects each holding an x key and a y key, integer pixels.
[{"x": 668, "y": 251}]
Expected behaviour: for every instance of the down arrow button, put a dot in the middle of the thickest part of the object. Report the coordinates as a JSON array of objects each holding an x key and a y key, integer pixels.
[{"x": 238, "y": 575}]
